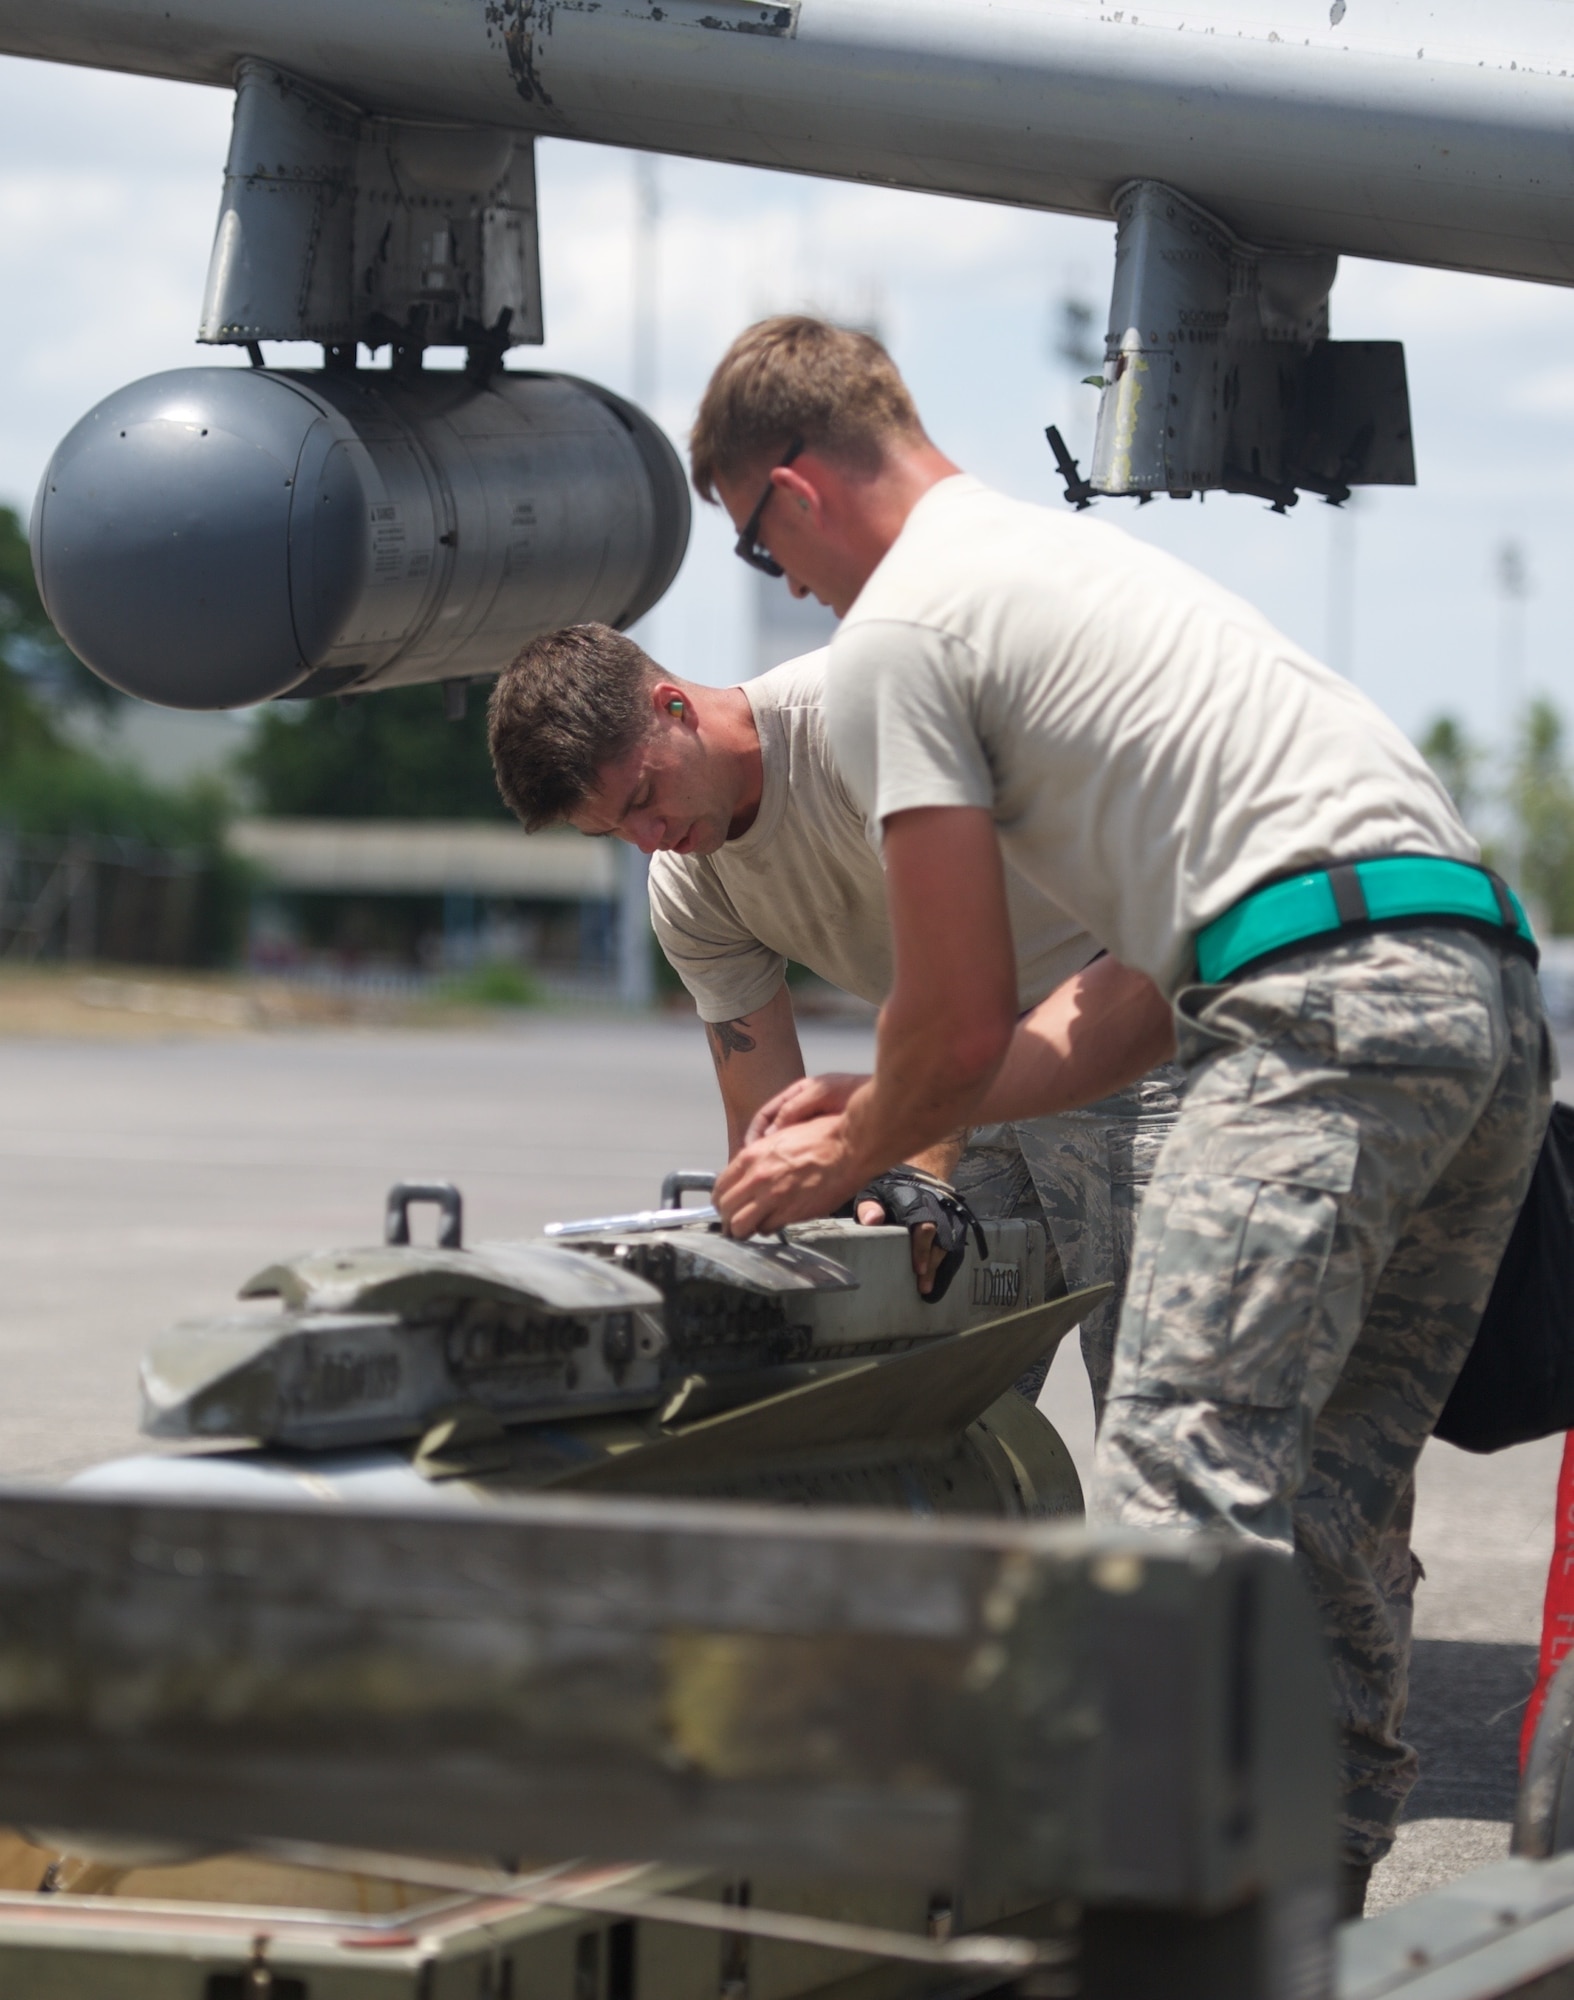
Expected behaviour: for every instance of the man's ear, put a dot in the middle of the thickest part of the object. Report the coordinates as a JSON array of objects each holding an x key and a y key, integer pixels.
[
  {"x": 800, "y": 490},
  {"x": 671, "y": 703}
]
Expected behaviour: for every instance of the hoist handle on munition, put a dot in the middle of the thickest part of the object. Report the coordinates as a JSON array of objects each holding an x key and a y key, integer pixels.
[
  {"x": 685, "y": 1180},
  {"x": 396, "y": 1216}
]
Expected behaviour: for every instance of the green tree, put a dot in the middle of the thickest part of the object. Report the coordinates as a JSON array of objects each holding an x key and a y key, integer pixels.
[
  {"x": 48, "y": 784},
  {"x": 1456, "y": 760},
  {"x": 31, "y": 650},
  {"x": 1541, "y": 802},
  {"x": 1531, "y": 806},
  {"x": 52, "y": 787},
  {"x": 25, "y": 725},
  {"x": 392, "y": 755}
]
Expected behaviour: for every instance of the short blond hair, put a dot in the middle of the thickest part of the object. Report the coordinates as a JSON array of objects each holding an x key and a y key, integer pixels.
[{"x": 795, "y": 378}]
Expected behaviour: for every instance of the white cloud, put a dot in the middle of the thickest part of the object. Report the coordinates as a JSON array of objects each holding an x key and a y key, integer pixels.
[{"x": 1542, "y": 392}]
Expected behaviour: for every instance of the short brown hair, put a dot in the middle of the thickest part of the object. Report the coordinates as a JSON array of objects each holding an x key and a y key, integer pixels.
[
  {"x": 572, "y": 701},
  {"x": 795, "y": 377}
]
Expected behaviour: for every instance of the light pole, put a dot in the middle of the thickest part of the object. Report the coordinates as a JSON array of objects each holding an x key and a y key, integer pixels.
[
  {"x": 1513, "y": 583},
  {"x": 1075, "y": 343}
]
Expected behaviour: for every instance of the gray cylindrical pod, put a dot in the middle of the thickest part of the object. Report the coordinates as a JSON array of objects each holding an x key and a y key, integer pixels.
[{"x": 216, "y": 536}]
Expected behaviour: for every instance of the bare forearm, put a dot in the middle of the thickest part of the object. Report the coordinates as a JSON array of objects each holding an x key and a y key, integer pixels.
[
  {"x": 1104, "y": 1028},
  {"x": 941, "y": 1159},
  {"x": 942, "y": 1035},
  {"x": 756, "y": 1056},
  {"x": 929, "y": 1077},
  {"x": 947, "y": 1024}
]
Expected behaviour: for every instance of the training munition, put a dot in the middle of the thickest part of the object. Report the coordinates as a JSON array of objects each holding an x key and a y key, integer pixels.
[{"x": 667, "y": 1358}]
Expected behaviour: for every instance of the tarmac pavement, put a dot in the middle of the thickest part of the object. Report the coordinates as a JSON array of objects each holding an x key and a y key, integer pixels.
[{"x": 142, "y": 1180}]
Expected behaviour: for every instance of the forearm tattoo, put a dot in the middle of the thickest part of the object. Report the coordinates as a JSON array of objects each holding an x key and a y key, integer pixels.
[{"x": 727, "y": 1038}]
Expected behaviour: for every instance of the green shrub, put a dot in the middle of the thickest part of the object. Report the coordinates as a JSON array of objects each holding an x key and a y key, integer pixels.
[
  {"x": 391, "y": 755},
  {"x": 495, "y": 985}
]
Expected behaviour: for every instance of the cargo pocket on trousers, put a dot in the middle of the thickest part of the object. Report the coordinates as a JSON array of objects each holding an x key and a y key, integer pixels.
[
  {"x": 1414, "y": 1027},
  {"x": 1235, "y": 1263}
]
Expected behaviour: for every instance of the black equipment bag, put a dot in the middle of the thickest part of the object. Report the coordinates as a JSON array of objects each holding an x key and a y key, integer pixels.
[{"x": 1518, "y": 1382}]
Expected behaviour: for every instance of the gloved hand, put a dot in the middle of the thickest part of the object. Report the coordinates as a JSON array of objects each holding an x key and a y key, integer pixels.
[{"x": 910, "y": 1197}]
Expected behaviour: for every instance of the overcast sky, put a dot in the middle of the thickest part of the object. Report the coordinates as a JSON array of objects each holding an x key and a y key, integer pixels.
[{"x": 109, "y": 188}]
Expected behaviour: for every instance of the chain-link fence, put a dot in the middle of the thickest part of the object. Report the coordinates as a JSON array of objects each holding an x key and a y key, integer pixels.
[{"x": 100, "y": 897}]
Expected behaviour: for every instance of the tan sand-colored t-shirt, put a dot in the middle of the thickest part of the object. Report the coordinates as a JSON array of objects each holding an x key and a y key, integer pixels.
[
  {"x": 1150, "y": 747},
  {"x": 804, "y": 882}
]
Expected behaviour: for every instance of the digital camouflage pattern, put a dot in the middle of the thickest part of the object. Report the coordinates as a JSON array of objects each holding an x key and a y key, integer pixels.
[
  {"x": 1314, "y": 1253},
  {"x": 1082, "y": 1174},
  {"x": 993, "y": 1180},
  {"x": 1091, "y": 1169}
]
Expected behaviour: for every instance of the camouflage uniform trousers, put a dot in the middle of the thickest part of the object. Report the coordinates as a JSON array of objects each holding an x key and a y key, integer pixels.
[
  {"x": 1358, "y": 1130},
  {"x": 1082, "y": 1174}
]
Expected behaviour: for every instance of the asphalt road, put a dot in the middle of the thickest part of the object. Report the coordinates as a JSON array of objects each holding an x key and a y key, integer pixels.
[{"x": 141, "y": 1181}]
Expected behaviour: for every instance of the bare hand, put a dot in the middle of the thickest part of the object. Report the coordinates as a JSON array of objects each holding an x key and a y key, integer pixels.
[
  {"x": 803, "y": 1170},
  {"x": 809, "y": 1097},
  {"x": 926, "y": 1258}
]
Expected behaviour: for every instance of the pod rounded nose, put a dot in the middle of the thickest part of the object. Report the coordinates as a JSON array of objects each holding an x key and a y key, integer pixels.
[{"x": 161, "y": 537}]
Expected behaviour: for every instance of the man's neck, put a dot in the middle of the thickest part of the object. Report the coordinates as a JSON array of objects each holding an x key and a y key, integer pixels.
[
  {"x": 737, "y": 739},
  {"x": 881, "y": 506}
]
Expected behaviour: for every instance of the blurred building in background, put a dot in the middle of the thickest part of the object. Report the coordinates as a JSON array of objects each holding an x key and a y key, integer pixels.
[{"x": 417, "y": 897}]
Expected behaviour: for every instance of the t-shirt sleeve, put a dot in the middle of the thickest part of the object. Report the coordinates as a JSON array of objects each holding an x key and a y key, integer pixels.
[
  {"x": 719, "y": 959},
  {"x": 900, "y": 709}
]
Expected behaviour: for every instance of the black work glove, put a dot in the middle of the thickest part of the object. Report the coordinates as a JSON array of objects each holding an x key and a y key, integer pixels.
[{"x": 909, "y": 1197}]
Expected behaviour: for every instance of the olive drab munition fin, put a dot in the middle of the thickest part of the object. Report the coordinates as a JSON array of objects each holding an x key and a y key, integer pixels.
[{"x": 924, "y": 1397}]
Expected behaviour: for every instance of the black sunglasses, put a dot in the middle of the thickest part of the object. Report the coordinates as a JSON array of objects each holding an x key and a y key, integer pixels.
[{"x": 747, "y": 545}]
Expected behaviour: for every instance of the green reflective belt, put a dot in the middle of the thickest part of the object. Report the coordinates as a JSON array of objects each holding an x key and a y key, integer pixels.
[{"x": 1393, "y": 889}]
